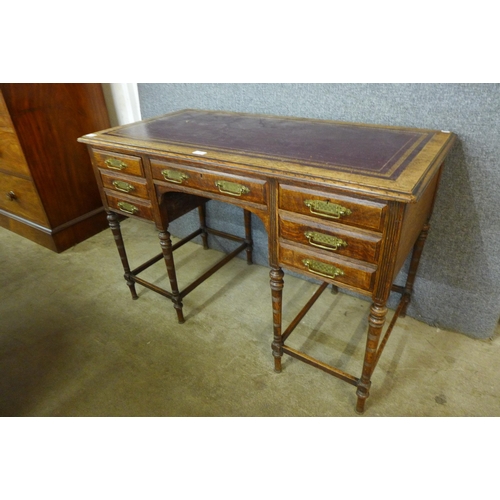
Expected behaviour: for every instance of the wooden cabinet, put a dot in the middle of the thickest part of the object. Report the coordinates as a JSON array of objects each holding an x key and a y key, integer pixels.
[{"x": 48, "y": 192}]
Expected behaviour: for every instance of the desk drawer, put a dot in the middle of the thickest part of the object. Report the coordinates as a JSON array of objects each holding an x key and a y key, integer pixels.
[
  {"x": 129, "y": 206},
  {"x": 325, "y": 267},
  {"x": 118, "y": 162},
  {"x": 333, "y": 238},
  {"x": 132, "y": 186},
  {"x": 333, "y": 207},
  {"x": 20, "y": 197},
  {"x": 228, "y": 185}
]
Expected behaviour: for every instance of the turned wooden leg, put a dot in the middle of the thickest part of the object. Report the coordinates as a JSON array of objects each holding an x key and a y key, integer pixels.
[
  {"x": 277, "y": 283},
  {"x": 376, "y": 322},
  {"x": 166, "y": 246},
  {"x": 114, "y": 224},
  {"x": 248, "y": 234},
  {"x": 412, "y": 273},
  {"x": 203, "y": 225}
]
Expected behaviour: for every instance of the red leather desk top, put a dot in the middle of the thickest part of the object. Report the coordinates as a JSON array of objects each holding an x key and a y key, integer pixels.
[
  {"x": 381, "y": 152},
  {"x": 390, "y": 161}
]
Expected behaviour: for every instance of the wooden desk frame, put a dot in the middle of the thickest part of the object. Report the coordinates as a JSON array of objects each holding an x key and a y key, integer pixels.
[{"x": 346, "y": 206}]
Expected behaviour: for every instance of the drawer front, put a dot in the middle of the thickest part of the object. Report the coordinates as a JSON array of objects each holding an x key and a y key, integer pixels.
[
  {"x": 319, "y": 265},
  {"x": 333, "y": 238},
  {"x": 333, "y": 207},
  {"x": 129, "y": 206},
  {"x": 132, "y": 186},
  {"x": 11, "y": 155},
  {"x": 118, "y": 162},
  {"x": 19, "y": 197},
  {"x": 228, "y": 185}
]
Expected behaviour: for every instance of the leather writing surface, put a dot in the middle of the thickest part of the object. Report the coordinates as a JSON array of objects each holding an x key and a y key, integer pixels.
[{"x": 369, "y": 150}]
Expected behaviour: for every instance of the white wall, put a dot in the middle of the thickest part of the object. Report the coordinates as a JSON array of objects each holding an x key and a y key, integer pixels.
[{"x": 122, "y": 101}]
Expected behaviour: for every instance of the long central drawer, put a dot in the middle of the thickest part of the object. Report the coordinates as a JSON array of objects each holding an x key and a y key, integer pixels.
[{"x": 210, "y": 181}]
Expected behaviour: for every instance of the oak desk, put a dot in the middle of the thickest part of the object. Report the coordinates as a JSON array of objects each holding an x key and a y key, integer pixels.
[{"x": 345, "y": 203}]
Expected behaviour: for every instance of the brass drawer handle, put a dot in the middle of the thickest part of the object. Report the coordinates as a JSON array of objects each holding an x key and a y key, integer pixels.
[
  {"x": 123, "y": 186},
  {"x": 321, "y": 269},
  {"x": 11, "y": 195},
  {"x": 115, "y": 164},
  {"x": 324, "y": 240},
  {"x": 231, "y": 188},
  {"x": 174, "y": 176},
  {"x": 326, "y": 209},
  {"x": 127, "y": 208}
]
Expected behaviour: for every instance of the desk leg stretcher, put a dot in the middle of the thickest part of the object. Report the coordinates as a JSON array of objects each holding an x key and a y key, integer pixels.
[
  {"x": 372, "y": 353},
  {"x": 376, "y": 321},
  {"x": 176, "y": 295}
]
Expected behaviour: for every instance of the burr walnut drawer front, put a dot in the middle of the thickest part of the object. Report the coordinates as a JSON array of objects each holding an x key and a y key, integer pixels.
[
  {"x": 129, "y": 206},
  {"x": 331, "y": 237},
  {"x": 326, "y": 267},
  {"x": 19, "y": 197},
  {"x": 333, "y": 207},
  {"x": 228, "y": 185},
  {"x": 132, "y": 186},
  {"x": 118, "y": 162}
]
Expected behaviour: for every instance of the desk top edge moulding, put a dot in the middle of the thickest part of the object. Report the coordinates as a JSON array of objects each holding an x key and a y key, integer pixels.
[
  {"x": 398, "y": 171},
  {"x": 343, "y": 203}
]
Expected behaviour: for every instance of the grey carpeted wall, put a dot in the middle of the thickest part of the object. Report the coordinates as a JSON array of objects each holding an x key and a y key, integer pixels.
[{"x": 458, "y": 285}]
